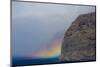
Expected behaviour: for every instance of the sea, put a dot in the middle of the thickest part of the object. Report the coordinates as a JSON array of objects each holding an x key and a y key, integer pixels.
[{"x": 31, "y": 61}]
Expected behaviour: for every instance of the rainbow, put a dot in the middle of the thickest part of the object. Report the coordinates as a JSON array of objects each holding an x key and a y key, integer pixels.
[{"x": 53, "y": 51}]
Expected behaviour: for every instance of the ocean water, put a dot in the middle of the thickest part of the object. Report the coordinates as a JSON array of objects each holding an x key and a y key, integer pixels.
[{"x": 30, "y": 61}]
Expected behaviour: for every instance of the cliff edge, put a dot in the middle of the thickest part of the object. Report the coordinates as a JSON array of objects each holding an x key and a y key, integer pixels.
[{"x": 79, "y": 42}]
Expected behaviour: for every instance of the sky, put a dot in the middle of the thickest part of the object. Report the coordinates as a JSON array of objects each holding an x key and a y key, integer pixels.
[{"x": 38, "y": 28}]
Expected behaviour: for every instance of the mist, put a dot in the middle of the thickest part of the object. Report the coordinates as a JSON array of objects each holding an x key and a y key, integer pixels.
[{"x": 34, "y": 25}]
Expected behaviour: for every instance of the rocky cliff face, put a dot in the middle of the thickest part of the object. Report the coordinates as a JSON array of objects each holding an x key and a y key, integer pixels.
[{"x": 79, "y": 42}]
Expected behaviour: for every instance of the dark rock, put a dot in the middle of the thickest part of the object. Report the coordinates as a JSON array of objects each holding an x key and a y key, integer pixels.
[{"x": 79, "y": 42}]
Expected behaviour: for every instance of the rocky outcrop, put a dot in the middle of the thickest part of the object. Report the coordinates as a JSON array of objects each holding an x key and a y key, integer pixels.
[{"x": 79, "y": 42}]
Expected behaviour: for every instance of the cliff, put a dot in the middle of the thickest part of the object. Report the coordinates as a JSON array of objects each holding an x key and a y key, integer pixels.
[{"x": 79, "y": 42}]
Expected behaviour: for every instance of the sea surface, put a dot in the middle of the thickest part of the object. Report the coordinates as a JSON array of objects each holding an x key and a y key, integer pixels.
[{"x": 31, "y": 61}]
